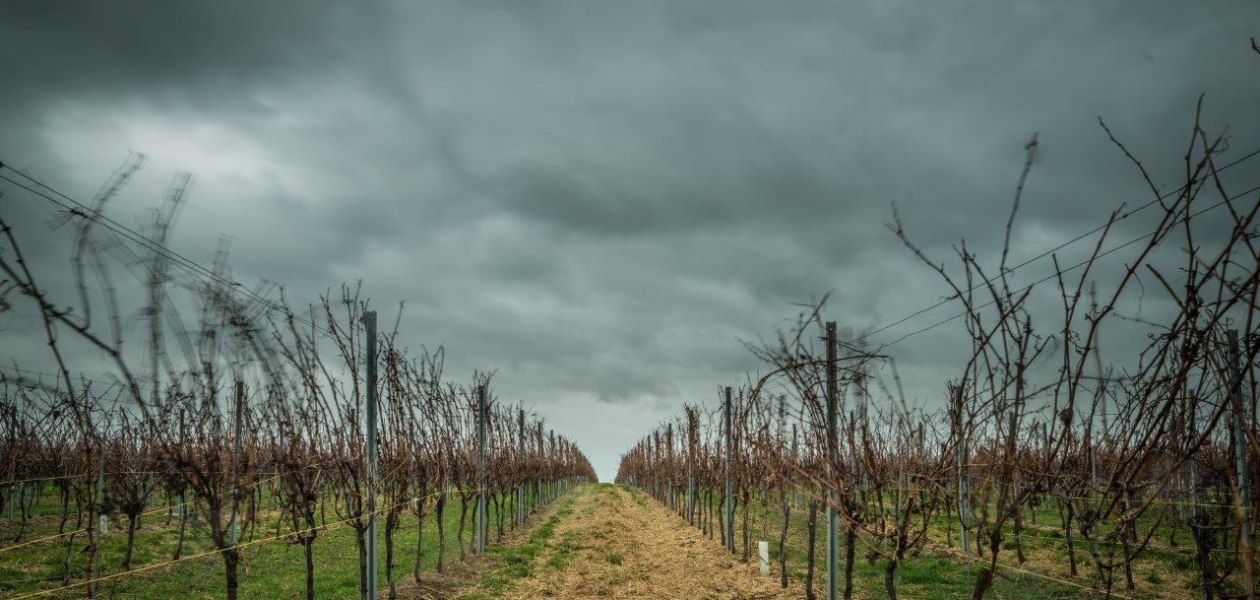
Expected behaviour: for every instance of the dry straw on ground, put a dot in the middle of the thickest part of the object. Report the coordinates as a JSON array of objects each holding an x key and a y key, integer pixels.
[{"x": 621, "y": 544}]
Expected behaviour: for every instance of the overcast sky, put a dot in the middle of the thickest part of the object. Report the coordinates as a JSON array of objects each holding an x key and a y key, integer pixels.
[{"x": 601, "y": 200}]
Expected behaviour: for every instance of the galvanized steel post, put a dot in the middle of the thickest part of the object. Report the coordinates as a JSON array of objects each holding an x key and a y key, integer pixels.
[
  {"x": 481, "y": 469},
  {"x": 520, "y": 448},
  {"x": 369, "y": 323},
  {"x": 833, "y": 456},
  {"x": 729, "y": 511}
]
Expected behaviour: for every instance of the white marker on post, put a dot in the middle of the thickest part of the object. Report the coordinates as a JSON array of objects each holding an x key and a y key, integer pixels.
[{"x": 763, "y": 550}]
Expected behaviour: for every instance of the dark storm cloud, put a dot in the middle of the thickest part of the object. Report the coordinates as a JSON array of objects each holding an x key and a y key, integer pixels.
[
  {"x": 189, "y": 51},
  {"x": 601, "y": 200}
]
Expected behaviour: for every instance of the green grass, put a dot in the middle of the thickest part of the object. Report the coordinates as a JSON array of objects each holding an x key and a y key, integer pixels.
[
  {"x": 516, "y": 561},
  {"x": 272, "y": 569},
  {"x": 563, "y": 552},
  {"x": 275, "y": 569},
  {"x": 939, "y": 574}
]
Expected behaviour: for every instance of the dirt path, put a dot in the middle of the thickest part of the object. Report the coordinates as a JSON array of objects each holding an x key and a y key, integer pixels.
[{"x": 610, "y": 542}]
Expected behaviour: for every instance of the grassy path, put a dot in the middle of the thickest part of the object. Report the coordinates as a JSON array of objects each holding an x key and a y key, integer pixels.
[{"x": 607, "y": 541}]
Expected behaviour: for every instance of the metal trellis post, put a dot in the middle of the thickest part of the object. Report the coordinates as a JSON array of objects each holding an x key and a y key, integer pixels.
[
  {"x": 729, "y": 511},
  {"x": 481, "y": 469},
  {"x": 833, "y": 451},
  {"x": 369, "y": 324}
]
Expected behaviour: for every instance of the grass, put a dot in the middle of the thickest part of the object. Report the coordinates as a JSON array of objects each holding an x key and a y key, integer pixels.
[
  {"x": 516, "y": 561},
  {"x": 272, "y": 569},
  {"x": 547, "y": 552},
  {"x": 939, "y": 572},
  {"x": 275, "y": 569}
]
